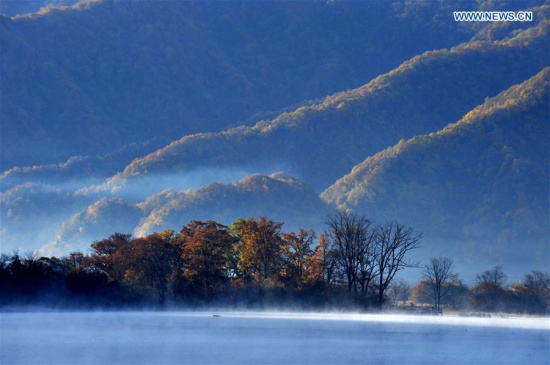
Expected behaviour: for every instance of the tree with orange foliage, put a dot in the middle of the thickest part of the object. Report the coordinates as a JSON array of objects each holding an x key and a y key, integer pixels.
[
  {"x": 260, "y": 249},
  {"x": 321, "y": 264},
  {"x": 113, "y": 255},
  {"x": 207, "y": 249},
  {"x": 297, "y": 253}
]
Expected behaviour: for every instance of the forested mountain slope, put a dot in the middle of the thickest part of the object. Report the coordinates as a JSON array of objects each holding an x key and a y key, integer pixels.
[
  {"x": 479, "y": 188},
  {"x": 93, "y": 78},
  {"x": 319, "y": 143},
  {"x": 89, "y": 79}
]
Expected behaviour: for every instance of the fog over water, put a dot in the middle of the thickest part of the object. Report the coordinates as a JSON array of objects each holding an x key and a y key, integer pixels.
[{"x": 213, "y": 337}]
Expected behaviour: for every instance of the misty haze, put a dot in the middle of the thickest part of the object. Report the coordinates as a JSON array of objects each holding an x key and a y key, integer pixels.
[
  {"x": 268, "y": 338},
  {"x": 343, "y": 181}
]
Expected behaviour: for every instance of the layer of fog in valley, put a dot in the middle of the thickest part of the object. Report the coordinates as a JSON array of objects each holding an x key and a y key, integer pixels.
[
  {"x": 58, "y": 210},
  {"x": 210, "y": 337}
]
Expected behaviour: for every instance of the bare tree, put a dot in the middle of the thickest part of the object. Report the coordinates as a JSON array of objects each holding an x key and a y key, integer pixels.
[
  {"x": 436, "y": 274},
  {"x": 352, "y": 236},
  {"x": 494, "y": 276},
  {"x": 398, "y": 291},
  {"x": 537, "y": 284},
  {"x": 393, "y": 241},
  {"x": 366, "y": 262},
  {"x": 489, "y": 293}
]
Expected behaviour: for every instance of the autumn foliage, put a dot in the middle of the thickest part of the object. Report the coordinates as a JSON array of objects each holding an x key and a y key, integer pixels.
[{"x": 251, "y": 263}]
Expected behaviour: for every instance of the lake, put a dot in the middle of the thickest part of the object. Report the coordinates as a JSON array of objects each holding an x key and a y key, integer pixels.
[{"x": 214, "y": 337}]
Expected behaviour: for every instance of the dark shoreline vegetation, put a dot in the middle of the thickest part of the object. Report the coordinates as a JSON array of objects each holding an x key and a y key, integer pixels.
[{"x": 253, "y": 264}]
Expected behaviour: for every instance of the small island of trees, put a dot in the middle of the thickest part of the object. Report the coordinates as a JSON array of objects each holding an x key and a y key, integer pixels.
[{"x": 254, "y": 264}]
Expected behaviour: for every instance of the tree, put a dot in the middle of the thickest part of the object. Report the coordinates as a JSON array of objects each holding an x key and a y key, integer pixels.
[
  {"x": 206, "y": 251},
  {"x": 420, "y": 293},
  {"x": 297, "y": 253},
  {"x": 152, "y": 263},
  {"x": 113, "y": 255},
  {"x": 352, "y": 236},
  {"x": 489, "y": 292},
  {"x": 260, "y": 249},
  {"x": 458, "y": 296},
  {"x": 367, "y": 269},
  {"x": 322, "y": 264},
  {"x": 436, "y": 274},
  {"x": 494, "y": 276},
  {"x": 533, "y": 292},
  {"x": 75, "y": 260},
  {"x": 393, "y": 242},
  {"x": 398, "y": 291}
]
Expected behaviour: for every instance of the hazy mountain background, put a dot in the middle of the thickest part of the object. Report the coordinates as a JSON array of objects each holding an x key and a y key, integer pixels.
[{"x": 140, "y": 116}]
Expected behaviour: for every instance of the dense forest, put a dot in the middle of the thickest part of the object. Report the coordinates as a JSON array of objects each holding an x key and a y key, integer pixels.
[{"x": 254, "y": 264}]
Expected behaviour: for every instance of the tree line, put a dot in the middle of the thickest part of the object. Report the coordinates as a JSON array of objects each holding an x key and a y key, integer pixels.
[
  {"x": 441, "y": 287},
  {"x": 251, "y": 263}
]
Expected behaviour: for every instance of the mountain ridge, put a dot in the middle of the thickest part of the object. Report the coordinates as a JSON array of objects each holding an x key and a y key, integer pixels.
[
  {"x": 481, "y": 184},
  {"x": 120, "y": 72},
  {"x": 213, "y": 149}
]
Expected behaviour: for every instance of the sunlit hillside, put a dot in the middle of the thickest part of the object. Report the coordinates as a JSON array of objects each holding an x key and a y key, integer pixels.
[
  {"x": 319, "y": 143},
  {"x": 478, "y": 189},
  {"x": 89, "y": 79}
]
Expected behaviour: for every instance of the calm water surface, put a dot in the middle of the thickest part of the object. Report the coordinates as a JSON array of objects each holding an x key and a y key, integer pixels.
[{"x": 268, "y": 338}]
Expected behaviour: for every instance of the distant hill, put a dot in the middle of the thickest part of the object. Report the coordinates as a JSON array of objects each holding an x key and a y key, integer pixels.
[
  {"x": 479, "y": 188},
  {"x": 31, "y": 213},
  {"x": 279, "y": 196},
  {"x": 88, "y": 79},
  {"x": 99, "y": 220},
  {"x": 321, "y": 142},
  {"x": 80, "y": 170}
]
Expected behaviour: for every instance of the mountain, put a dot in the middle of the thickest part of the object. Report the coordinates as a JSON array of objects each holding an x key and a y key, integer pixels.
[
  {"x": 99, "y": 220},
  {"x": 80, "y": 170},
  {"x": 93, "y": 77},
  {"x": 278, "y": 196},
  {"x": 478, "y": 189},
  {"x": 30, "y": 214},
  {"x": 321, "y": 142},
  {"x": 88, "y": 88}
]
